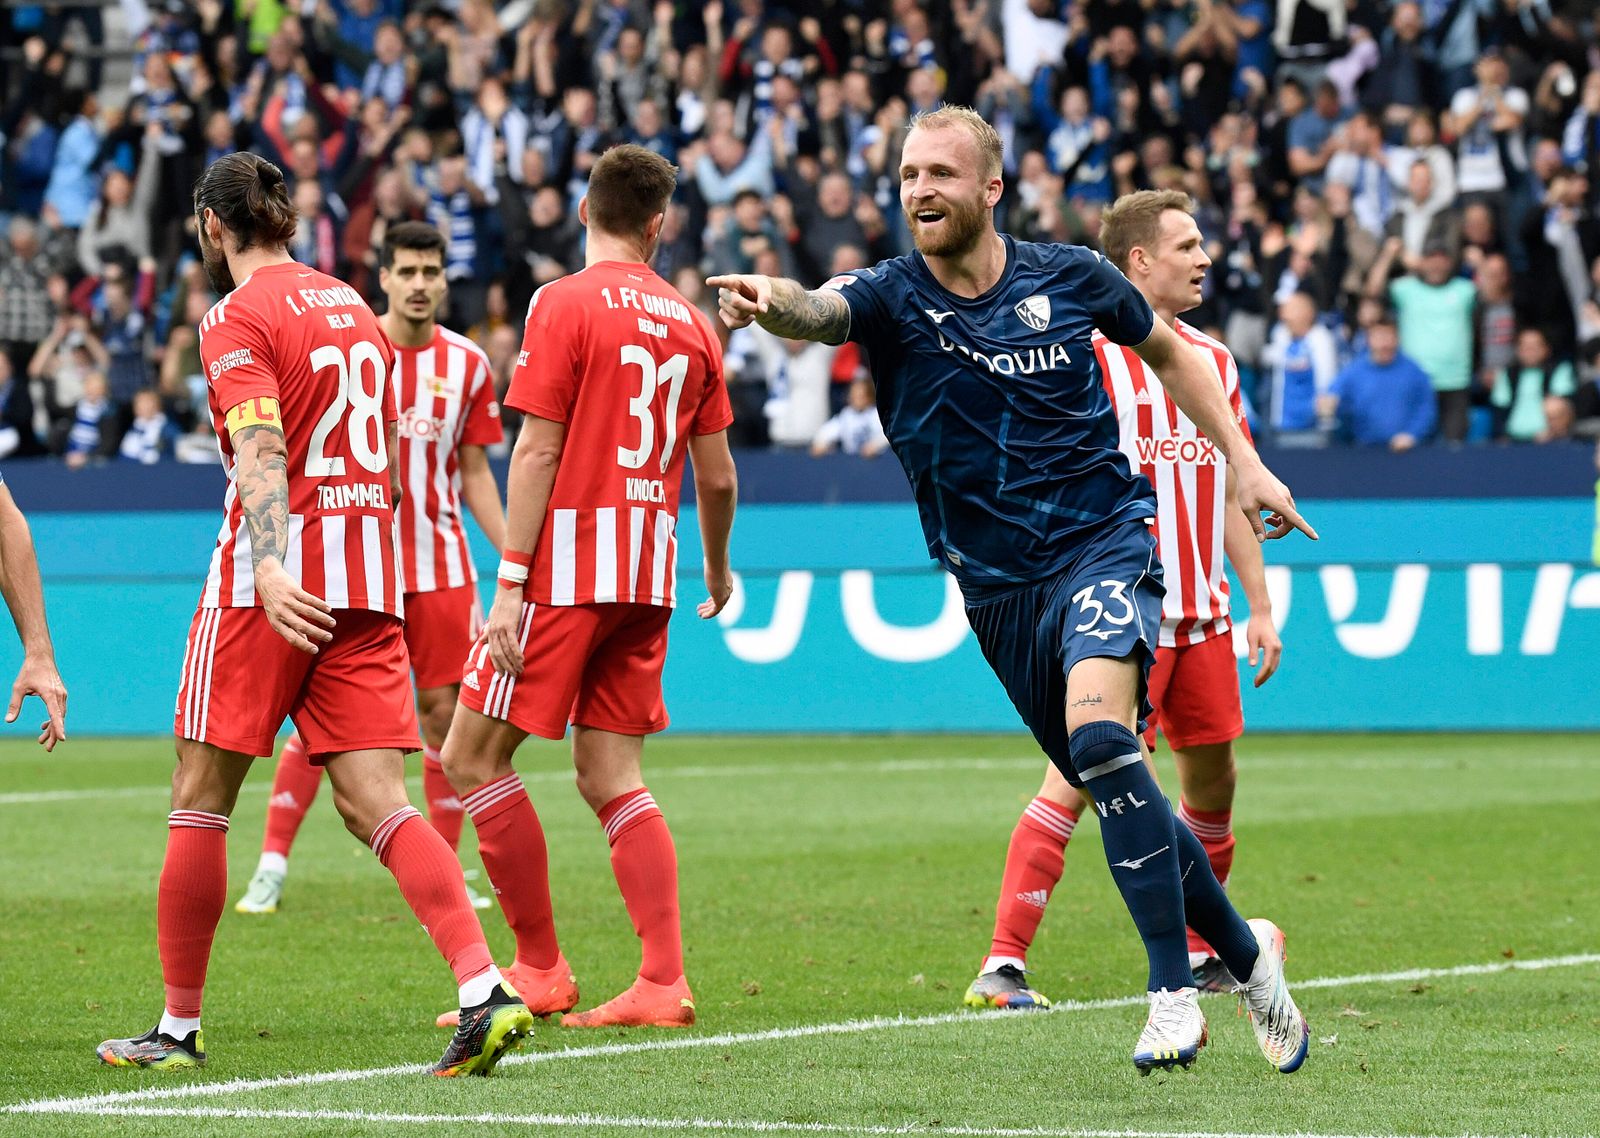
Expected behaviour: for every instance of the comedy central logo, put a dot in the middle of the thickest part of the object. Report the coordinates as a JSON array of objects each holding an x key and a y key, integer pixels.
[{"x": 1035, "y": 312}]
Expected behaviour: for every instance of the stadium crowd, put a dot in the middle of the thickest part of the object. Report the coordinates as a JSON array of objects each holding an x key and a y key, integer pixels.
[{"x": 1401, "y": 197}]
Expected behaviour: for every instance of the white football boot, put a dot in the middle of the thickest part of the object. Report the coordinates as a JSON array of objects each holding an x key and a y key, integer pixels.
[
  {"x": 1174, "y": 1033},
  {"x": 1281, "y": 1030}
]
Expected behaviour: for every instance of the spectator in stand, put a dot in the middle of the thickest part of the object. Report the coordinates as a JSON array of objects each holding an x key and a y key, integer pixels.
[
  {"x": 1308, "y": 35},
  {"x": 122, "y": 329},
  {"x": 72, "y": 186},
  {"x": 1362, "y": 164},
  {"x": 315, "y": 242},
  {"x": 91, "y": 434},
  {"x": 1495, "y": 322},
  {"x": 856, "y": 429},
  {"x": 1422, "y": 144},
  {"x": 17, "y": 439},
  {"x": 69, "y": 353},
  {"x": 1405, "y": 79},
  {"x": 1580, "y": 139},
  {"x": 1562, "y": 242},
  {"x": 1487, "y": 120},
  {"x": 798, "y": 375},
  {"x": 1382, "y": 398},
  {"x": 120, "y": 221},
  {"x": 1435, "y": 308},
  {"x": 1424, "y": 217},
  {"x": 750, "y": 229},
  {"x": 26, "y": 313},
  {"x": 150, "y": 436},
  {"x": 1304, "y": 358},
  {"x": 1535, "y": 396},
  {"x": 1314, "y": 137}
]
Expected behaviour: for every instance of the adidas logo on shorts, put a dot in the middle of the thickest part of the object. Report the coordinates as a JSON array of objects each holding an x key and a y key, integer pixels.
[{"x": 471, "y": 680}]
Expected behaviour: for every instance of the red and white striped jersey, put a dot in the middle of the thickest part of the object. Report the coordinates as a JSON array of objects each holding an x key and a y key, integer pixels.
[
  {"x": 445, "y": 394},
  {"x": 310, "y": 342},
  {"x": 633, "y": 370},
  {"x": 1190, "y": 479}
]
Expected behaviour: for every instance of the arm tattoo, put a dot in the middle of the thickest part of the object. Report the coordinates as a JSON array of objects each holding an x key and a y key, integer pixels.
[
  {"x": 800, "y": 315},
  {"x": 263, "y": 481}
]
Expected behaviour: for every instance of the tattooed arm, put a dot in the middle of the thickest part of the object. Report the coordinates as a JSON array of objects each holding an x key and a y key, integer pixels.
[
  {"x": 782, "y": 307},
  {"x": 261, "y": 475}
]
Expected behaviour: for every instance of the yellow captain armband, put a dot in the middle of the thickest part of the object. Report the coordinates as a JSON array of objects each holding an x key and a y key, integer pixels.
[{"x": 254, "y": 413}]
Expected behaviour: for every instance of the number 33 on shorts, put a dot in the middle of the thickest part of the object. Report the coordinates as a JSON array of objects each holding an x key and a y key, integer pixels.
[{"x": 1105, "y": 609}]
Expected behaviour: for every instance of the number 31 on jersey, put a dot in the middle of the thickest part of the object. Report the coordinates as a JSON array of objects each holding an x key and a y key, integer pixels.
[{"x": 653, "y": 377}]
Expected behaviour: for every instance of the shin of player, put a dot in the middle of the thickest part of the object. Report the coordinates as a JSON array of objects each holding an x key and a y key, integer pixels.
[
  {"x": 300, "y": 614},
  {"x": 618, "y": 379},
  {"x": 1152, "y": 237},
  {"x": 448, "y": 416}
]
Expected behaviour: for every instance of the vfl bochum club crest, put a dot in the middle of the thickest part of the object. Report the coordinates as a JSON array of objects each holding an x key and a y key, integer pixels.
[{"x": 1035, "y": 312}]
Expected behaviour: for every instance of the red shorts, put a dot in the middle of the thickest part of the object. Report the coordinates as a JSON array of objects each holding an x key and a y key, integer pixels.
[
  {"x": 241, "y": 680},
  {"x": 440, "y": 629},
  {"x": 1195, "y": 690},
  {"x": 592, "y": 665}
]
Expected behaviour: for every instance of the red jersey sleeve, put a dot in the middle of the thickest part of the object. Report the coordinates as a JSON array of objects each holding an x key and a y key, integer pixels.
[
  {"x": 239, "y": 360},
  {"x": 716, "y": 411},
  {"x": 545, "y": 382},
  {"x": 391, "y": 406},
  {"x": 483, "y": 414}
]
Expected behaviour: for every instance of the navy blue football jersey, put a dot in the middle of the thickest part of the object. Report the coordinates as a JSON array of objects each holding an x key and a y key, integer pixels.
[{"x": 995, "y": 408}]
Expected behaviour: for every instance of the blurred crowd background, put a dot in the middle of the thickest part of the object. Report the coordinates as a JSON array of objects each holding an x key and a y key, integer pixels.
[{"x": 1399, "y": 196}]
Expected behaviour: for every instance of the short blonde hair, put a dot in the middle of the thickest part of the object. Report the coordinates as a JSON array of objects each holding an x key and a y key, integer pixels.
[
  {"x": 1134, "y": 220},
  {"x": 990, "y": 148}
]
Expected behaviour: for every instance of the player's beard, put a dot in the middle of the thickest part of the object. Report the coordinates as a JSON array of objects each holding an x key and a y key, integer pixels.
[
  {"x": 958, "y": 234},
  {"x": 216, "y": 264}
]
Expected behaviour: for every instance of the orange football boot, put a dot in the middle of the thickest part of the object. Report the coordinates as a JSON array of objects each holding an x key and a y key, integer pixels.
[{"x": 643, "y": 1005}]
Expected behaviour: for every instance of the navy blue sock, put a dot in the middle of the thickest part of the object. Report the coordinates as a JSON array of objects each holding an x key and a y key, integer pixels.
[
  {"x": 1136, "y": 828},
  {"x": 1208, "y": 909}
]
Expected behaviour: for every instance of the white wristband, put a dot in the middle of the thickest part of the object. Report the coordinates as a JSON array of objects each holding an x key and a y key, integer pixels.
[{"x": 511, "y": 571}]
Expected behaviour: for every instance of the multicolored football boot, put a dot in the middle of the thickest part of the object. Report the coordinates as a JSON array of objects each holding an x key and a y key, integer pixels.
[
  {"x": 1282, "y": 1032},
  {"x": 1005, "y": 987},
  {"x": 486, "y": 1032},
  {"x": 546, "y": 991},
  {"x": 156, "y": 1050},
  {"x": 1174, "y": 1033}
]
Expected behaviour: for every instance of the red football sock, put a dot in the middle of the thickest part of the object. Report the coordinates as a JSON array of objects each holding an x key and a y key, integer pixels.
[
  {"x": 511, "y": 843},
  {"x": 645, "y": 863},
  {"x": 445, "y": 811},
  {"x": 294, "y": 787},
  {"x": 194, "y": 887},
  {"x": 430, "y": 880},
  {"x": 1033, "y": 866},
  {"x": 1214, "y": 828}
]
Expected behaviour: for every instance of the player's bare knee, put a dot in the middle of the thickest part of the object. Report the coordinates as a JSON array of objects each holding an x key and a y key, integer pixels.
[
  {"x": 437, "y": 707},
  {"x": 1058, "y": 790},
  {"x": 207, "y": 780},
  {"x": 1207, "y": 775}
]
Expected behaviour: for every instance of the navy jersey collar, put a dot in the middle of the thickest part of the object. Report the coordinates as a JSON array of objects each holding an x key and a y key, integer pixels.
[{"x": 984, "y": 298}]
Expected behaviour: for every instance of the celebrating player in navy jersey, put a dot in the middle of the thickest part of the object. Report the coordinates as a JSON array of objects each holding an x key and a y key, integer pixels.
[{"x": 991, "y": 400}]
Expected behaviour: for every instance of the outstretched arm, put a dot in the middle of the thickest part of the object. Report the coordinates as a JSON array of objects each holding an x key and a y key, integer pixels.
[
  {"x": 19, "y": 582},
  {"x": 783, "y": 307},
  {"x": 1193, "y": 385},
  {"x": 535, "y": 459}
]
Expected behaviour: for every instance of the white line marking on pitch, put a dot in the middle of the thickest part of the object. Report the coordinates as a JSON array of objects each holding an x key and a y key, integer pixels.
[
  {"x": 881, "y": 766},
  {"x": 594, "y": 1121},
  {"x": 681, "y": 1043}
]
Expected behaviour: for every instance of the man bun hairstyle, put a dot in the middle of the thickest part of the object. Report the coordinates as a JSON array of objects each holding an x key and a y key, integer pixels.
[
  {"x": 418, "y": 236},
  {"x": 628, "y": 186},
  {"x": 249, "y": 195},
  {"x": 991, "y": 150},
  {"x": 1135, "y": 220}
]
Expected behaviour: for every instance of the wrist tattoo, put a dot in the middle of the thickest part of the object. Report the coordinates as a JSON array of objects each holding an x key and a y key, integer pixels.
[{"x": 800, "y": 315}]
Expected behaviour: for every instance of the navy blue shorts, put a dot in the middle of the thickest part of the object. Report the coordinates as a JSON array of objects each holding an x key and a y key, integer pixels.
[{"x": 1107, "y": 602}]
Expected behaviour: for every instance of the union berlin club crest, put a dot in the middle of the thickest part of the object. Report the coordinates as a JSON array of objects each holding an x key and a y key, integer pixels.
[{"x": 1035, "y": 312}]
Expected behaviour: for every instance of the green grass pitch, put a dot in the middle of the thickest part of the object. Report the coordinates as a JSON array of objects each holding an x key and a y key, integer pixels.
[{"x": 827, "y": 881}]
